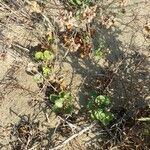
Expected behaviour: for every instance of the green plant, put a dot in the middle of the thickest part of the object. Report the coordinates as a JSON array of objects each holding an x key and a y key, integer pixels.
[
  {"x": 46, "y": 55},
  {"x": 39, "y": 77},
  {"x": 98, "y": 54},
  {"x": 46, "y": 71},
  {"x": 97, "y": 107},
  {"x": 103, "y": 116},
  {"x": 62, "y": 102},
  {"x": 39, "y": 56}
]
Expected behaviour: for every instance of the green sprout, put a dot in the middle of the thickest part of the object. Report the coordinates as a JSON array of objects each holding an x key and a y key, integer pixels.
[
  {"x": 46, "y": 71},
  {"x": 98, "y": 54},
  {"x": 102, "y": 100},
  {"x": 46, "y": 55},
  {"x": 62, "y": 102},
  {"x": 97, "y": 108},
  {"x": 103, "y": 116},
  {"x": 39, "y": 56}
]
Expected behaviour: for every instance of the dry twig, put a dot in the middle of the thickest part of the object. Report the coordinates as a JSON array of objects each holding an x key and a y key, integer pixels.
[{"x": 74, "y": 136}]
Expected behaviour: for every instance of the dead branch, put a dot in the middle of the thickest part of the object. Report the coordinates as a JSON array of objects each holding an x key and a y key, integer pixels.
[{"x": 74, "y": 136}]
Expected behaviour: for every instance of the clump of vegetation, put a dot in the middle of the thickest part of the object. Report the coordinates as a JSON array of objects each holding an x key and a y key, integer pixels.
[
  {"x": 98, "y": 54},
  {"x": 98, "y": 108},
  {"x": 62, "y": 102},
  {"x": 46, "y": 57}
]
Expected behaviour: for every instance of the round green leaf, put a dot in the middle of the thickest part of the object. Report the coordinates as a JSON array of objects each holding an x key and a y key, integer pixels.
[
  {"x": 46, "y": 71},
  {"x": 39, "y": 55},
  {"x": 48, "y": 55},
  {"x": 102, "y": 116},
  {"x": 102, "y": 100}
]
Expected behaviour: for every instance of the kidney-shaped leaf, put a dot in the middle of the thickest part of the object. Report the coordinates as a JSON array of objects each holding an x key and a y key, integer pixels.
[
  {"x": 48, "y": 55},
  {"x": 39, "y": 55},
  {"x": 102, "y": 100}
]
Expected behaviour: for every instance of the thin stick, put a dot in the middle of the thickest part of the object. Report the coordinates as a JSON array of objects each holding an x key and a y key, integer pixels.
[
  {"x": 72, "y": 126},
  {"x": 32, "y": 148},
  {"x": 73, "y": 136}
]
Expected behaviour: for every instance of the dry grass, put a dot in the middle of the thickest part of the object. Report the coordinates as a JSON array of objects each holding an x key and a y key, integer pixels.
[{"x": 123, "y": 73}]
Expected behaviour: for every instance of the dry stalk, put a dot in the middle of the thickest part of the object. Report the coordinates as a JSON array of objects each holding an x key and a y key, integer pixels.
[
  {"x": 61, "y": 145},
  {"x": 72, "y": 126}
]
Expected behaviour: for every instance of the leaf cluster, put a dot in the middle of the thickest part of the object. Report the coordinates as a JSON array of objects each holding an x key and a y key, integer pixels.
[
  {"x": 98, "y": 109},
  {"x": 62, "y": 102},
  {"x": 45, "y": 57}
]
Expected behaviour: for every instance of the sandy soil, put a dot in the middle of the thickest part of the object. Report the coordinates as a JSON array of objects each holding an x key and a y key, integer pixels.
[{"x": 20, "y": 95}]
